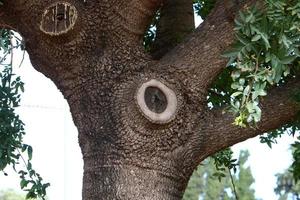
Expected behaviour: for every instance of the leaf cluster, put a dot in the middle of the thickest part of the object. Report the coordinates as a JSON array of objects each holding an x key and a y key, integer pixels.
[
  {"x": 219, "y": 94},
  {"x": 265, "y": 52},
  {"x": 223, "y": 160},
  {"x": 290, "y": 129},
  {"x": 12, "y": 148}
]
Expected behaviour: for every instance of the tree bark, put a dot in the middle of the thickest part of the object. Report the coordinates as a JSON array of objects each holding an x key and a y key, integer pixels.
[
  {"x": 200, "y": 55},
  {"x": 143, "y": 124},
  {"x": 129, "y": 182},
  {"x": 278, "y": 109},
  {"x": 175, "y": 23}
]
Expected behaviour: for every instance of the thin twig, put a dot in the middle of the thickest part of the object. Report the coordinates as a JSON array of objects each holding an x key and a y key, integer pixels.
[
  {"x": 233, "y": 185},
  {"x": 12, "y": 49},
  {"x": 11, "y": 56},
  {"x": 25, "y": 163},
  {"x": 23, "y": 56}
]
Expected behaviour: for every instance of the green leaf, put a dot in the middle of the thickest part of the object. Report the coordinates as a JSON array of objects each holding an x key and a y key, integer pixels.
[
  {"x": 288, "y": 60},
  {"x": 236, "y": 94},
  {"x": 24, "y": 147},
  {"x": 29, "y": 151},
  {"x": 256, "y": 38},
  {"x": 230, "y": 53},
  {"x": 24, "y": 183},
  {"x": 246, "y": 90},
  {"x": 243, "y": 39}
]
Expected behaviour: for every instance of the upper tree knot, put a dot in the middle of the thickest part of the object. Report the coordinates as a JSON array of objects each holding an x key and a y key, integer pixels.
[{"x": 59, "y": 18}]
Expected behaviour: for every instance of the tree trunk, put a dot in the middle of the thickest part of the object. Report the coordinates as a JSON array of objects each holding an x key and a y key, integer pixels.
[
  {"x": 129, "y": 182},
  {"x": 143, "y": 124}
]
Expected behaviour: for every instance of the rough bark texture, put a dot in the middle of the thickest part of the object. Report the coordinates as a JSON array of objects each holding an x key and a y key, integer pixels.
[
  {"x": 98, "y": 64},
  {"x": 176, "y": 22}
]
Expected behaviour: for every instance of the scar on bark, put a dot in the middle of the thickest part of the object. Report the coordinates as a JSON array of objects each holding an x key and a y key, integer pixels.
[
  {"x": 157, "y": 102},
  {"x": 58, "y": 18}
]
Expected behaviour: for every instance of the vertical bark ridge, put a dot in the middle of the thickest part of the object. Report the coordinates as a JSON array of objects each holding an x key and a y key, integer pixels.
[{"x": 176, "y": 21}]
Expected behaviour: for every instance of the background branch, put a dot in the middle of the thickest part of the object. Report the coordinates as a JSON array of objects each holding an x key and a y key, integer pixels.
[
  {"x": 200, "y": 55},
  {"x": 136, "y": 15},
  {"x": 176, "y": 21}
]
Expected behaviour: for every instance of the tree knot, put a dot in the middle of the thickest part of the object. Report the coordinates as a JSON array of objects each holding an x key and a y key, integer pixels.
[{"x": 59, "y": 18}]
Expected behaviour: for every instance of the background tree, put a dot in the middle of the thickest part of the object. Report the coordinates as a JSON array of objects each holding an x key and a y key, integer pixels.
[
  {"x": 143, "y": 121},
  {"x": 11, "y": 195},
  {"x": 205, "y": 184},
  {"x": 288, "y": 185},
  {"x": 244, "y": 180}
]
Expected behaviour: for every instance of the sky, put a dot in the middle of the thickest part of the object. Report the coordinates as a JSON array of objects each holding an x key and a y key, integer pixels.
[
  {"x": 57, "y": 157},
  {"x": 52, "y": 133}
]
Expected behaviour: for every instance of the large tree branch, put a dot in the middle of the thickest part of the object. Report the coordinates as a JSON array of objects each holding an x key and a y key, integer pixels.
[
  {"x": 200, "y": 55},
  {"x": 176, "y": 21},
  {"x": 278, "y": 108},
  {"x": 136, "y": 15}
]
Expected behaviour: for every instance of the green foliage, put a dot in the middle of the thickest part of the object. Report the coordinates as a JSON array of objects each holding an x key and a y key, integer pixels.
[
  {"x": 10, "y": 195},
  {"x": 150, "y": 34},
  {"x": 272, "y": 137},
  {"x": 203, "y": 7},
  {"x": 203, "y": 183},
  {"x": 220, "y": 92},
  {"x": 287, "y": 187},
  {"x": 12, "y": 148},
  {"x": 223, "y": 160},
  {"x": 266, "y": 51},
  {"x": 244, "y": 179}
]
